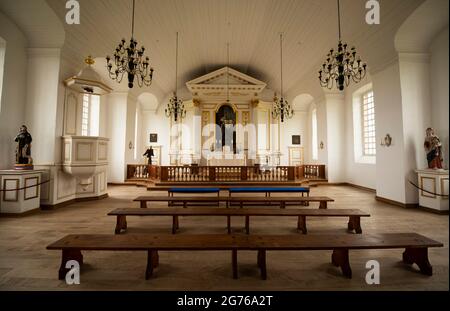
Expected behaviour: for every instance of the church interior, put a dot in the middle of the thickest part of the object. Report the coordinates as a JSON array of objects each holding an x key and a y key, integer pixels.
[{"x": 289, "y": 145}]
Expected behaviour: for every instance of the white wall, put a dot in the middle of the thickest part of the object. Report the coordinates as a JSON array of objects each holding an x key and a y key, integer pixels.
[
  {"x": 335, "y": 136},
  {"x": 130, "y": 128},
  {"x": 42, "y": 102},
  {"x": 416, "y": 99},
  {"x": 153, "y": 122},
  {"x": 439, "y": 55},
  {"x": 13, "y": 94},
  {"x": 116, "y": 132},
  {"x": 390, "y": 179},
  {"x": 322, "y": 129},
  {"x": 298, "y": 125},
  {"x": 356, "y": 172}
]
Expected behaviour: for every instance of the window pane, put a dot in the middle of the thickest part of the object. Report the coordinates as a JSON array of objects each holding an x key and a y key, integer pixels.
[{"x": 368, "y": 126}]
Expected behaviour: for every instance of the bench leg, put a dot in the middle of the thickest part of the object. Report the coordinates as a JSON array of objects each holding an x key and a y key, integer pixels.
[
  {"x": 229, "y": 224},
  {"x": 354, "y": 223},
  {"x": 301, "y": 224},
  {"x": 261, "y": 260},
  {"x": 175, "y": 224},
  {"x": 67, "y": 255},
  {"x": 152, "y": 263},
  {"x": 340, "y": 259},
  {"x": 121, "y": 224},
  {"x": 247, "y": 224},
  {"x": 323, "y": 205},
  {"x": 234, "y": 263},
  {"x": 143, "y": 204},
  {"x": 418, "y": 256}
]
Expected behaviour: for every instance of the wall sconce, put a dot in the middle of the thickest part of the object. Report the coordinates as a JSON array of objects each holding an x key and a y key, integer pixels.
[
  {"x": 130, "y": 145},
  {"x": 321, "y": 145},
  {"x": 387, "y": 141}
]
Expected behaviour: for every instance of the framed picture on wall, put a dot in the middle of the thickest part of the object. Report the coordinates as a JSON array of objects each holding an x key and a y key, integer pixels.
[
  {"x": 296, "y": 140},
  {"x": 153, "y": 138}
]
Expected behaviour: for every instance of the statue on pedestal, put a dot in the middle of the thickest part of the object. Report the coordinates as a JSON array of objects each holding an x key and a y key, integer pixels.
[
  {"x": 23, "y": 150},
  {"x": 149, "y": 153},
  {"x": 433, "y": 148}
]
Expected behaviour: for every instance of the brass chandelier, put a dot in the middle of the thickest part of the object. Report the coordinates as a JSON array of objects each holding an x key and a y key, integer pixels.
[
  {"x": 341, "y": 66},
  {"x": 175, "y": 107},
  {"x": 130, "y": 60},
  {"x": 281, "y": 107}
]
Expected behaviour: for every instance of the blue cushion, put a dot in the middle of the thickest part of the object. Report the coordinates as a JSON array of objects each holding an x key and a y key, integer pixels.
[
  {"x": 194, "y": 190},
  {"x": 269, "y": 189}
]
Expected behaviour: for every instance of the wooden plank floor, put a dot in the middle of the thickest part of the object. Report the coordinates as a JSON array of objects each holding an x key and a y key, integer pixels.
[{"x": 25, "y": 264}]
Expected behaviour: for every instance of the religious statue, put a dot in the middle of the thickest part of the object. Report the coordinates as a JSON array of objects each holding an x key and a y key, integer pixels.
[
  {"x": 149, "y": 153},
  {"x": 23, "y": 149},
  {"x": 433, "y": 148}
]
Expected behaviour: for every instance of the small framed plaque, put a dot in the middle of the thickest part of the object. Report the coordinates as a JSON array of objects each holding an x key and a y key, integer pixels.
[
  {"x": 296, "y": 140},
  {"x": 153, "y": 138}
]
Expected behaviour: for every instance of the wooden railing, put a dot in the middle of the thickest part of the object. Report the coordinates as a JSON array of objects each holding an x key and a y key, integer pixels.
[
  {"x": 226, "y": 173},
  {"x": 143, "y": 171},
  {"x": 310, "y": 171}
]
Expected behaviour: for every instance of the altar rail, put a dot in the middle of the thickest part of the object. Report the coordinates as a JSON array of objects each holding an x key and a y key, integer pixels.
[
  {"x": 143, "y": 171},
  {"x": 226, "y": 173},
  {"x": 310, "y": 171}
]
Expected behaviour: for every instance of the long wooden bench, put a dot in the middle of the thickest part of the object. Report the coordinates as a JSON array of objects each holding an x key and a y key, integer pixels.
[
  {"x": 416, "y": 247},
  {"x": 354, "y": 215},
  {"x": 231, "y": 189},
  {"x": 282, "y": 201}
]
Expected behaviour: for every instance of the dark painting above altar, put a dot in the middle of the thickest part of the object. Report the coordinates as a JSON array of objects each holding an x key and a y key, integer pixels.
[{"x": 226, "y": 122}]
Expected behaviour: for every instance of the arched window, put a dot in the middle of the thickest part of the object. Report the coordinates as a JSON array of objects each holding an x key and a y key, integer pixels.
[
  {"x": 2, "y": 66},
  {"x": 364, "y": 130},
  {"x": 314, "y": 144}
]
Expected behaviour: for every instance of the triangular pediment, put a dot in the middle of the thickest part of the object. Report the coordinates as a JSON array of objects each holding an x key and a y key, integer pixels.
[{"x": 223, "y": 76}]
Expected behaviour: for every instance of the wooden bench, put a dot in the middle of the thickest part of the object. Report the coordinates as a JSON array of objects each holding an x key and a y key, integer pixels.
[
  {"x": 416, "y": 247},
  {"x": 282, "y": 201},
  {"x": 354, "y": 215},
  {"x": 269, "y": 190}
]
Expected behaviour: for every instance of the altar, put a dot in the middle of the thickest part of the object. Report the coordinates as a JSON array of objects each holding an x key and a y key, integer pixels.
[{"x": 226, "y": 159}]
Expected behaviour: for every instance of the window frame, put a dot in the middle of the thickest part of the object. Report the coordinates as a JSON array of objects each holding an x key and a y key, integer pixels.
[
  {"x": 366, "y": 145},
  {"x": 87, "y": 115},
  {"x": 314, "y": 138}
]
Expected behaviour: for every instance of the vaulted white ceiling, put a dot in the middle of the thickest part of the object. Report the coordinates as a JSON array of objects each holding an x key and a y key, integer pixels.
[{"x": 251, "y": 26}]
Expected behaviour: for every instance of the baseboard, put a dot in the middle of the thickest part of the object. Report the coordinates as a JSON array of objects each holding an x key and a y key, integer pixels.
[
  {"x": 121, "y": 184},
  {"x": 66, "y": 203},
  {"x": 432, "y": 210},
  {"x": 396, "y": 203},
  {"x": 17, "y": 215},
  {"x": 361, "y": 187}
]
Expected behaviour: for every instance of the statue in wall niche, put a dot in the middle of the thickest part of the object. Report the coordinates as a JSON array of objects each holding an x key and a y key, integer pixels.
[
  {"x": 433, "y": 148},
  {"x": 23, "y": 149},
  {"x": 149, "y": 153}
]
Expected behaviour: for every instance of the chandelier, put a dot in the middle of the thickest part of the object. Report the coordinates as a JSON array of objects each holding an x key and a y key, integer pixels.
[
  {"x": 175, "y": 107},
  {"x": 342, "y": 66},
  {"x": 281, "y": 107},
  {"x": 130, "y": 60}
]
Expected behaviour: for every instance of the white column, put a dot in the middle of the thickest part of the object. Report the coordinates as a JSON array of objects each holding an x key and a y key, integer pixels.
[
  {"x": 42, "y": 102},
  {"x": 117, "y": 129},
  {"x": 416, "y": 111},
  {"x": 335, "y": 116},
  {"x": 390, "y": 179}
]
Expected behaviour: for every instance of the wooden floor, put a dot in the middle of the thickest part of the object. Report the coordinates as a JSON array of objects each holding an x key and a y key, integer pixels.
[{"x": 25, "y": 264}]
